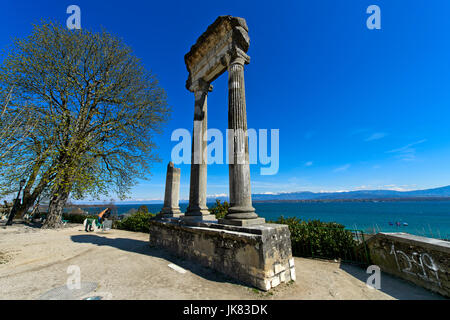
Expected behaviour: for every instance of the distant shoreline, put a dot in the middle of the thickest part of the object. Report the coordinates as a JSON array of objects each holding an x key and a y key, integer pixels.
[{"x": 413, "y": 199}]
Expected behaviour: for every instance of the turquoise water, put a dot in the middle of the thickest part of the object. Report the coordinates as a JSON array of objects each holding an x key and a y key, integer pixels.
[{"x": 425, "y": 218}]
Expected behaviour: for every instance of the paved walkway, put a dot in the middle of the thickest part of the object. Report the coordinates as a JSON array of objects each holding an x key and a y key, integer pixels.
[{"x": 121, "y": 265}]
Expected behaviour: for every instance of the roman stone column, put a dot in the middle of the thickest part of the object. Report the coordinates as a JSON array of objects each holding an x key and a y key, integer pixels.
[
  {"x": 241, "y": 211},
  {"x": 172, "y": 195},
  {"x": 197, "y": 209}
]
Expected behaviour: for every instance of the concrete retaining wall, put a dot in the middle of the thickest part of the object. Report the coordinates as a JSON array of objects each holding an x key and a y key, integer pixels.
[{"x": 423, "y": 261}]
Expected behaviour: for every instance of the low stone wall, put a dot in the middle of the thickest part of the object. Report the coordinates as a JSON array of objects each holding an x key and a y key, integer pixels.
[
  {"x": 423, "y": 261},
  {"x": 258, "y": 255}
]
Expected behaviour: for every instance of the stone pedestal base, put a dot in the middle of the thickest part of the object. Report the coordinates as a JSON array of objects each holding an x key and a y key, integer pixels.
[
  {"x": 200, "y": 218},
  {"x": 258, "y": 255},
  {"x": 242, "y": 222}
]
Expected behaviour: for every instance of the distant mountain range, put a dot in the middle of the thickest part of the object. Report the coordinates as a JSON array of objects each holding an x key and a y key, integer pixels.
[
  {"x": 361, "y": 195},
  {"x": 442, "y": 192}
]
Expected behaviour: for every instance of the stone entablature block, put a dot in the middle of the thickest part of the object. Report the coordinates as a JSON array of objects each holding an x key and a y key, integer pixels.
[{"x": 210, "y": 55}]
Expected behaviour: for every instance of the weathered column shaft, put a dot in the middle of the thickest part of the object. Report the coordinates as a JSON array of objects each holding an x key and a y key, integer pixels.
[
  {"x": 197, "y": 191},
  {"x": 239, "y": 169},
  {"x": 172, "y": 193}
]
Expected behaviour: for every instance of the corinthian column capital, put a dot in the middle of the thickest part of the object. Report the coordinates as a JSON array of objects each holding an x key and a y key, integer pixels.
[{"x": 235, "y": 56}]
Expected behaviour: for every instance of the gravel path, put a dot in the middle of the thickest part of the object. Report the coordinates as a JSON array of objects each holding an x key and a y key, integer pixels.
[{"x": 121, "y": 265}]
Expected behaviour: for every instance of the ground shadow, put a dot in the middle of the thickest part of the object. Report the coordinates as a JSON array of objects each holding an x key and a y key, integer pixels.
[
  {"x": 32, "y": 224},
  {"x": 393, "y": 286},
  {"x": 22, "y": 223},
  {"x": 144, "y": 247}
]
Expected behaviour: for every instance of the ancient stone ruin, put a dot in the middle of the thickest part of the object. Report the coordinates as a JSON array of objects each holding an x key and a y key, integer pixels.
[
  {"x": 221, "y": 48},
  {"x": 241, "y": 245},
  {"x": 172, "y": 194}
]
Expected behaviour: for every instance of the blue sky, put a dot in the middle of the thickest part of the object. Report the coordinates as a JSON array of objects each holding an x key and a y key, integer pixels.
[{"x": 356, "y": 108}]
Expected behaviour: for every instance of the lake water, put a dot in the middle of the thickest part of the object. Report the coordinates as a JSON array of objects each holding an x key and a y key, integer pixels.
[{"x": 425, "y": 218}]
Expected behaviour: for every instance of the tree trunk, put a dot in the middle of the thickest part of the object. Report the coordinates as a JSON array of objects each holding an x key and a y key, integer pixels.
[
  {"x": 55, "y": 210},
  {"x": 28, "y": 197},
  {"x": 13, "y": 212},
  {"x": 27, "y": 202}
]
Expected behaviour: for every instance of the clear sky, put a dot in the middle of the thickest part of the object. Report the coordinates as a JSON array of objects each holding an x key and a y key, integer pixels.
[{"x": 356, "y": 108}]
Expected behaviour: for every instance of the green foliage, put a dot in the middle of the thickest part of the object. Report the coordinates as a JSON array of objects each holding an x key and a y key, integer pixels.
[
  {"x": 143, "y": 209},
  {"x": 137, "y": 222},
  {"x": 220, "y": 210},
  {"x": 320, "y": 239}
]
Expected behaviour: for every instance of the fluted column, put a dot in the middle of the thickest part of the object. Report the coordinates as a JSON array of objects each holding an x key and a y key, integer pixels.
[
  {"x": 197, "y": 193},
  {"x": 241, "y": 208}
]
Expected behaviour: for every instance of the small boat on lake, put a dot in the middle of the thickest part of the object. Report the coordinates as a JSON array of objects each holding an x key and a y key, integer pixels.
[{"x": 399, "y": 224}]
